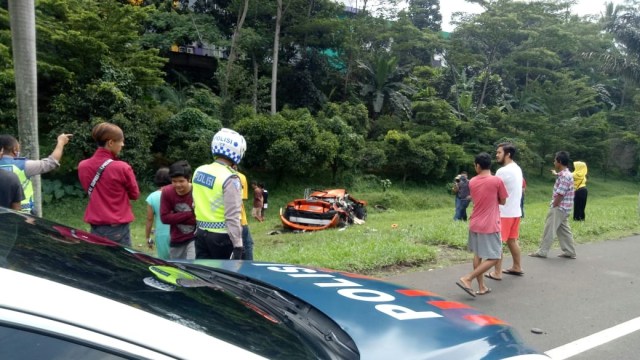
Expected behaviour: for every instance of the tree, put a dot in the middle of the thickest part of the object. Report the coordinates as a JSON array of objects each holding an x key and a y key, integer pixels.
[
  {"x": 93, "y": 67},
  {"x": 23, "y": 39},
  {"x": 290, "y": 143},
  {"x": 424, "y": 157},
  {"x": 425, "y": 14},
  {"x": 383, "y": 83},
  {"x": 276, "y": 49},
  {"x": 350, "y": 144},
  {"x": 490, "y": 36},
  {"x": 234, "y": 42}
]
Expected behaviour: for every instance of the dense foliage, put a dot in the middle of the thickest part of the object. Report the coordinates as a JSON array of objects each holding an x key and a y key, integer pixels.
[{"x": 357, "y": 92}]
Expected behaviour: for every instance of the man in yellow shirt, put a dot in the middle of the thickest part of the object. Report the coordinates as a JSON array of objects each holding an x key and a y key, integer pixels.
[
  {"x": 247, "y": 240},
  {"x": 580, "y": 184}
]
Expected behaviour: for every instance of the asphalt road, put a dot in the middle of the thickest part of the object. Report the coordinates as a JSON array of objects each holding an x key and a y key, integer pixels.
[{"x": 567, "y": 299}]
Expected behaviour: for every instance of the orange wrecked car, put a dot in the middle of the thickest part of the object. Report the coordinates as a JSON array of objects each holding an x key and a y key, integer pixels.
[{"x": 323, "y": 209}]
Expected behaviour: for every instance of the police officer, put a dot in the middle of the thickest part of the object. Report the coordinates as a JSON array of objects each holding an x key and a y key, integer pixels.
[
  {"x": 26, "y": 168},
  {"x": 217, "y": 196}
]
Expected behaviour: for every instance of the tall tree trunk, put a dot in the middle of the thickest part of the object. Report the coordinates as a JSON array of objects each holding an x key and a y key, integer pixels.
[
  {"x": 486, "y": 81},
  {"x": 255, "y": 82},
  {"x": 347, "y": 76},
  {"x": 306, "y": 33},
  {"x": 23, "y": 40},
  {"x": 234, "y": 43},
  {"x": 364, "y": 6},
  {"x": 484, "y": 90},
  {"x": 274, "y": 68}
]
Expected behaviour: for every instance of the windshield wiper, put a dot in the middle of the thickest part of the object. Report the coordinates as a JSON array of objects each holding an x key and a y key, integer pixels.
[{"x": 318, "y": 329}]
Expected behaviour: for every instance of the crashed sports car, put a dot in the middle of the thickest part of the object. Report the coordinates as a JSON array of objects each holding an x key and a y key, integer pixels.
[
  {"x": 323, "y": 209},
  {"x": 68, "y": 294}
]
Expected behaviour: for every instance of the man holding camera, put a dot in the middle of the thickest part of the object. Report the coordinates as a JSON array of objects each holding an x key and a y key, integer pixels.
[{"x": 463, "y": 197}]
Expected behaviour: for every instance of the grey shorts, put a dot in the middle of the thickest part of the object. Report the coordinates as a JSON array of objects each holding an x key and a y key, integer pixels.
[
  {"x": 184, "y": 251},
  {"x": 486, "y": 246}
]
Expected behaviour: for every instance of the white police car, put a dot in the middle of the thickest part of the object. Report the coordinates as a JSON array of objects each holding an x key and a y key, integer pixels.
[{"x": 67, "y": 294}]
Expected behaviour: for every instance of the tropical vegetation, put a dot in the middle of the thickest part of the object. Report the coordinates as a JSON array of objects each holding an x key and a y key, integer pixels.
[{"x": 320, "y": 90}]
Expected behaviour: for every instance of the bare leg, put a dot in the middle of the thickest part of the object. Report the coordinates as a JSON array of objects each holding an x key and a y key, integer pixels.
[
  {"x": 497, "y": 272},
  {"x": 514, "y": 249},
  {"x": 479, "y": 273},
  {"x": 479, "y": 268}
]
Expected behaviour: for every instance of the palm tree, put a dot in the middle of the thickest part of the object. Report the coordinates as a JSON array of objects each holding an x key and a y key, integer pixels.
[
  {"x": 384, "y": 82},
  {"x": 23, "y": 40},
  {"x": 623, "y": 23}
]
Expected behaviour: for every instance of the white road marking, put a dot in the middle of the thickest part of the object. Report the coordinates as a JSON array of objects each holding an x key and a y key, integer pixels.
[{"x": 587, "y": 343}]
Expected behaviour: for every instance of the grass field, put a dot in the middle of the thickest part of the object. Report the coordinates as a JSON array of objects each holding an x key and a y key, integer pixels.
[{"x": 416, "y": 230}]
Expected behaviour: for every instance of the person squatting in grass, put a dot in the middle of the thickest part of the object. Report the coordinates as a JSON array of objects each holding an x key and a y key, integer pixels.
[
  {"x": 26, "y": 168},
  {"x": 487, "y": 193},
  {"x": 217, "y": 194},
  {"x": 110, "y": 184},
  {"x": 510, "y": 212},
  {"x": 176, "y": 210}
]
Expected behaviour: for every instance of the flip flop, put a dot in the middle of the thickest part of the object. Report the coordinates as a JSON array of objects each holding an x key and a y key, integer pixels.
[
  {"x": 466, "y": 289},
  {"x": 513, "y": 272},
  {"x": 567, "y": 256},
  {"x": 485, "y": 292},
  {"x": 537, "y": 255},
  {"x": 488, "y": 275}
]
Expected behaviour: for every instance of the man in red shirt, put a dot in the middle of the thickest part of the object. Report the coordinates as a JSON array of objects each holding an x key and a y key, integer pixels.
[
  {"x": 176, "y": 210},
  {"x": 487, "y": 193},
  {"x": 110, "y": 184}
]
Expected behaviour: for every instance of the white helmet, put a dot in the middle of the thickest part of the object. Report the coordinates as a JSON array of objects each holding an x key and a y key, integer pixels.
[{"x": 230, "y": 144}]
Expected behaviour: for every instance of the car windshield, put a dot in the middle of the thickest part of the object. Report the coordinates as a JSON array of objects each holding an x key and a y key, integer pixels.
[
  {"x": 270, "y": 324},
  {"x": 315, "y": 327}
]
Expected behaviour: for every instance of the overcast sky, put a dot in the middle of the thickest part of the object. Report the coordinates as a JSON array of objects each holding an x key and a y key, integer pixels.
[{"x": 448, "y": 7}]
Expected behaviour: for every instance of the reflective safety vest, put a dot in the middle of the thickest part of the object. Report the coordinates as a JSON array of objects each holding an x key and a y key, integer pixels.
[
  {"x": 17, "y": 165},
  {"x": 208, "y": 197}
]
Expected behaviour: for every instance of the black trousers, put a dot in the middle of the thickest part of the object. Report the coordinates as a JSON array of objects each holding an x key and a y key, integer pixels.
[
  {"x": 579, "y": 203},
  {"x": 211, "y": 245}
]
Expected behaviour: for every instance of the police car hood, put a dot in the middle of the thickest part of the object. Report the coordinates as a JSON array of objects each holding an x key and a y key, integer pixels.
[{"x": 387, "y": 320}]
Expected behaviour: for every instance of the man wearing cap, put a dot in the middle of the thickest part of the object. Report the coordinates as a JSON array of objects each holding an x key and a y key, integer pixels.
[{"x": 217, "y": 197}]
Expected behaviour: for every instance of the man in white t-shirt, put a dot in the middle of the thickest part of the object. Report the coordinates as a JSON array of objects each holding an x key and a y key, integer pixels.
[{"x": 510, "y": 212}]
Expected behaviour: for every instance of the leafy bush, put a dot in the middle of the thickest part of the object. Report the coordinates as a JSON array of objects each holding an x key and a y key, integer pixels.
[{"x": 54, "y": 190}]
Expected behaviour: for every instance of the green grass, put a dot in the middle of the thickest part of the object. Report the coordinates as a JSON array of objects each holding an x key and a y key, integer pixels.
[{"x": 415, "y": 231}]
